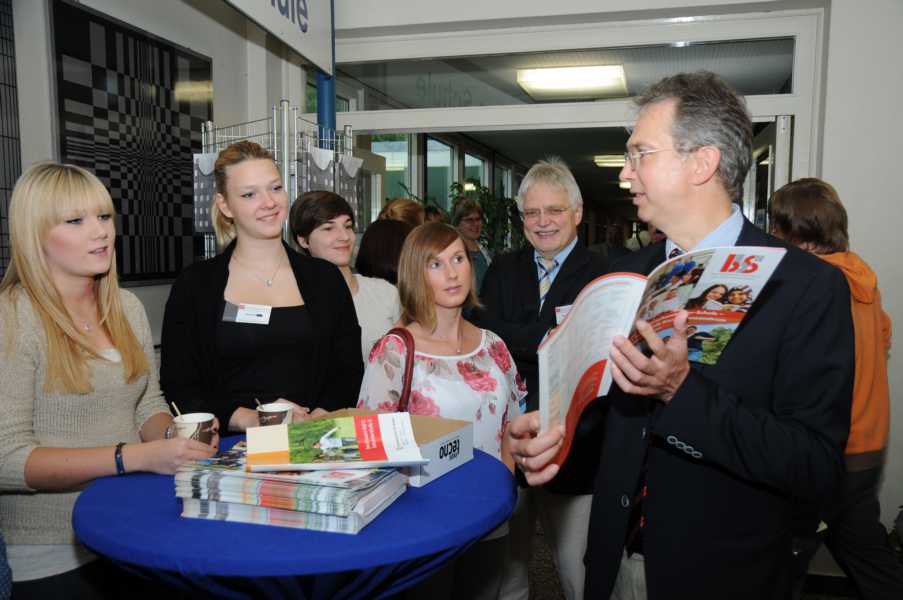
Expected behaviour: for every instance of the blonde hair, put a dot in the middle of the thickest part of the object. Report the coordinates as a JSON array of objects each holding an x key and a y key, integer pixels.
[
  {"x": 421, "y": 246},
  {"x": 236, "y": 153},
  {"x": 405, "y": 210},
  {"x": 44, "y": 196}
]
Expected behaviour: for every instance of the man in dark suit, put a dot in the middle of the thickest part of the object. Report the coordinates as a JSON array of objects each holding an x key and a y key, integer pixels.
[
  {"x": 526, "y": 293},
  {"x": 702, "y": 465}
]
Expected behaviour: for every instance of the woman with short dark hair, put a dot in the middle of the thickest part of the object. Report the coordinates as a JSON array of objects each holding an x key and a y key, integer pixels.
[{"x": 323, "y": 225}]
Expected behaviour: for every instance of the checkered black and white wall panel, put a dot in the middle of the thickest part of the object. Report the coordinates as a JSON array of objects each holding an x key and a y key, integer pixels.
[{"x": 130, "y": 110}]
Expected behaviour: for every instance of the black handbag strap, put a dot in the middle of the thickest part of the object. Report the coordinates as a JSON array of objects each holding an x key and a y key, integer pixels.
[{"x": 408, "y": 377}]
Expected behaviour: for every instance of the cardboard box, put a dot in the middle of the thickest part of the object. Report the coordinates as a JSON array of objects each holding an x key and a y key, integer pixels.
[{"x": 446, "y": 443}]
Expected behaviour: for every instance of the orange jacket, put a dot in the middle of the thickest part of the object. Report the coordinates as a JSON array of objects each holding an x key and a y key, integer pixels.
[{"x": 872, "y": 332}]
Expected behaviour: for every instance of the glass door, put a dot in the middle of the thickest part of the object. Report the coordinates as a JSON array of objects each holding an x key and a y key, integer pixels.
[{"x": 770, "y": 169}]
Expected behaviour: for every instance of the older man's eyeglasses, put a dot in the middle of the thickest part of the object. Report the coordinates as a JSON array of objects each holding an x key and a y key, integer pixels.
[
  {"x": 532, "y": 214},
  {"x": 634, "y": 156}
]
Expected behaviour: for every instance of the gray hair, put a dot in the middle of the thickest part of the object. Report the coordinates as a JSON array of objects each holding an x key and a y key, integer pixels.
[
  {"x": 708, "y": 113},
  {"x": 555, "y": 173}
]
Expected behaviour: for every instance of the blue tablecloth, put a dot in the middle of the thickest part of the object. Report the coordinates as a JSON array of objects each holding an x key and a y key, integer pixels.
[{"x": 135, "y": 520}]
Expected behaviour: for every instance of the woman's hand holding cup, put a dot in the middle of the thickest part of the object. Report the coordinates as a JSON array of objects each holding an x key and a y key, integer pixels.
[
  {"x": 165, "y": 456},
  {"x": 284, "y": 411}
]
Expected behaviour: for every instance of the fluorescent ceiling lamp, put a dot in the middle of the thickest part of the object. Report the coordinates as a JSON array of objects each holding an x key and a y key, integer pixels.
[
  {"x": 609, "y": 160},
  {"x": 624, "y": 185},
  {"x": 469, "y": 187},
  {"x": 573, "y": 83}
]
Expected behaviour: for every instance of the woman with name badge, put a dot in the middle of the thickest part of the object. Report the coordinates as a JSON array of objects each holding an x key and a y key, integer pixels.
[
  {"x": 323, "y": 225},
  {"x": 459, "y": 372},
  {"x": 79, "y": 397},
  {"x": 259, "y": 322}
]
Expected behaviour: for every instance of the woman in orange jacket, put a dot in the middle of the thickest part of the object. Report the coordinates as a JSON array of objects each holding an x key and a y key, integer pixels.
[{"x": 808, "y": 214}]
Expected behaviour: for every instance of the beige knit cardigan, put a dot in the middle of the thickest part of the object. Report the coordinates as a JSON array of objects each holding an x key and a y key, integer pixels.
[{"x": 30, "y": 417}]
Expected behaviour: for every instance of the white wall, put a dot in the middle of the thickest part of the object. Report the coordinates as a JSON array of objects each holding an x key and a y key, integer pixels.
[
  {"x": 861, "y": 158},
  {"x": 31, "y": 27},
  {"x": 369, "y": 14}
]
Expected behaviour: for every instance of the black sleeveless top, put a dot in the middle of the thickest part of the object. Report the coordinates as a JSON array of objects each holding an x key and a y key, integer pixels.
[{"x": 266, "y": 361}]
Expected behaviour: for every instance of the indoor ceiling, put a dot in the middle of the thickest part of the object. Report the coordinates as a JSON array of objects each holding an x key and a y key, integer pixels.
[
  {"x": 763, "y": 66},
  {"x": 576, "y": 147},
  {"x": 752, "y": 67}
]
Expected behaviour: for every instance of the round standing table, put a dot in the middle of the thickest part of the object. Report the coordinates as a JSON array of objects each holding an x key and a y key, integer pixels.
[{"x": 135, "y": 520}]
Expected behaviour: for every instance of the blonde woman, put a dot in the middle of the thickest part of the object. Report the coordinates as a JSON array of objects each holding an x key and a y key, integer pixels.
[
  {"x": 460, "y": 371},
  {"x": 259, "y": 321},
  {"x": 79, "y": 397},
  {"x": 405, "y": 210}
]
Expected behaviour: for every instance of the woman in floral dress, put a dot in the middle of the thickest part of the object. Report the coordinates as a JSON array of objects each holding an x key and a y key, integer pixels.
[{"x": 460, "y": 372}]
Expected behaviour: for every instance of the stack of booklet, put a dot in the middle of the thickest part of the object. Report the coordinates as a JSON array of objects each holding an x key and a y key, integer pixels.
[{"x": 331, "y": 474}]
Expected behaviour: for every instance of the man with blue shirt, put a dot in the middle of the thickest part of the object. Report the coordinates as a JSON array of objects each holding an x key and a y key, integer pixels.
[
  {"x": 702, "y": 465},
  {"x": 525, "y": 293}
]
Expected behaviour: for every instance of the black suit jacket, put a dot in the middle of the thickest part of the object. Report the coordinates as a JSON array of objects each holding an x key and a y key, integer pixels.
[
  {"x": 190, "y": 373},
  {"x": 510, "y": 296},
  {"x": 770, "y": 421}
]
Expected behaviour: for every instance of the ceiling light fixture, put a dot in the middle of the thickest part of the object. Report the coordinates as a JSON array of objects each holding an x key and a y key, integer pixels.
[
  {"x": 470, "y": 187},
  {"x": 573, "y": 83},
  {"x": 624, "y": 185},
  {"x": 609, "y": 160}
]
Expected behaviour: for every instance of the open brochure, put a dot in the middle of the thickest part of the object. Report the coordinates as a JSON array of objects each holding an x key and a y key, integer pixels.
[
  {"x": 717, "y": 286},
  {"x": 231, "y": 464},
  {"x": 352, "y": 442}
]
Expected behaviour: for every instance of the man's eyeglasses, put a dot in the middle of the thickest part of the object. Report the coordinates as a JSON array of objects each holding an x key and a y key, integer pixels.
[
  {"x": 633, "y": 157},
  {"x": 532, "y": 214}
]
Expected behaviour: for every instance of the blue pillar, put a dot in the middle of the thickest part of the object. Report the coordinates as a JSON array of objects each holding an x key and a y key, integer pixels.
[
  {"x": 326, "y": 91},
  {"x": 325, "y": 105}
]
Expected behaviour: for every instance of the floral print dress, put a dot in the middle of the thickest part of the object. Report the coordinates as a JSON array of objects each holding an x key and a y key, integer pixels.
[{"x": 481, "y": 386}]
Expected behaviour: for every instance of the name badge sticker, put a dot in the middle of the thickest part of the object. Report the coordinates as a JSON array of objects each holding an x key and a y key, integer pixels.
[{"x": 255, "y": 314}]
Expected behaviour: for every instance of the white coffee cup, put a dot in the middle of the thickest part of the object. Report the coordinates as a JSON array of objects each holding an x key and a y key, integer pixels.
[
  {"x": 196, "y": 426},
  {"x": 274, "y": 413}
]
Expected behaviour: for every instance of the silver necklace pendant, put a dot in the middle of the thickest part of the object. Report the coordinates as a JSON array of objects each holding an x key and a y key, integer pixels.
[{"x": 269, "y": 282}]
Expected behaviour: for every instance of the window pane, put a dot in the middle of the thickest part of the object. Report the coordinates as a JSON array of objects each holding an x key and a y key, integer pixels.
[
  {"x": 473, "y": 168},
  {"x": 310, "y": 100},
  {"x": 439, "y": 166},
  {"x": 310, "y": 104},
  {"x": 502, "y": 182},
  {"x": 395, "y": 148}
]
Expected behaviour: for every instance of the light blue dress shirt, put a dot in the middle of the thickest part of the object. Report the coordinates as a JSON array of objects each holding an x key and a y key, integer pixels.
[{"x": 725, "y": 234}]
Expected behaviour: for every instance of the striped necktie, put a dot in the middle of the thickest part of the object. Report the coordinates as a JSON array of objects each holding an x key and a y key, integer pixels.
[{"x": 546, "y": 268}]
